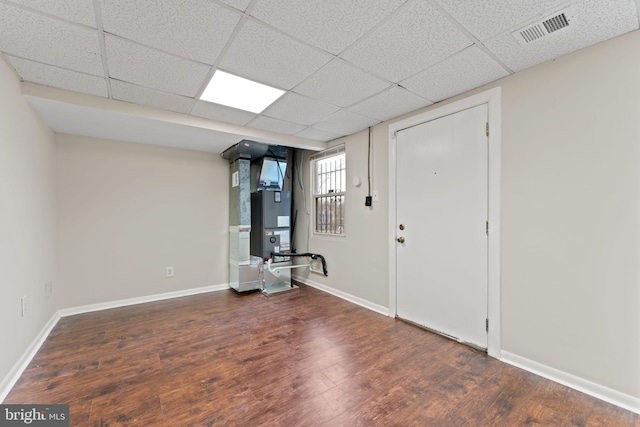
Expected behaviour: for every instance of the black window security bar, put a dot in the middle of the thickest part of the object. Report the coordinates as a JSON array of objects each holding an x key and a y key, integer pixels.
[{"x": 329, "y": 191}]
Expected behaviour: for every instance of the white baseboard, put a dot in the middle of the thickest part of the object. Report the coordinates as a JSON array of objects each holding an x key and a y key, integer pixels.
[
  {"x": 12, "y": 377},
  {"x": 14, "y": 374},
  {"x": 596, "y": 390},
  {"x": 345, "y": 296},
  {"x": 601, "y": 392},
  {"x": 140, "y": 300},
  {"x": 585, "y": 386}
]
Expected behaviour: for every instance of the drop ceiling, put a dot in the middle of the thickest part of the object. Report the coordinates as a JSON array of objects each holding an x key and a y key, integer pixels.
[{"x": 344, "y": 64}]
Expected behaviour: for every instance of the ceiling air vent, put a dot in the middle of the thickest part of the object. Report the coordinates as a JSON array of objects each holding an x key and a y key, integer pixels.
[{"x": 543, "y": 27}]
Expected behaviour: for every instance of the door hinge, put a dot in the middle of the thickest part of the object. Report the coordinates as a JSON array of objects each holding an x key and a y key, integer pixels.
[
  {"x": 487, "y": 128},
  {"x": 486, "y": 227},
  {"x": 486, "y": 324}
]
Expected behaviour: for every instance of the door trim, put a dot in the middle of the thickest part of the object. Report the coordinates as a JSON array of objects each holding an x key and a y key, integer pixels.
[{"x": 492, "y": 98}]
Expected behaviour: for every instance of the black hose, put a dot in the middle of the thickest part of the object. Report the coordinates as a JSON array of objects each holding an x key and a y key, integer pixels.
[{"x": 308, "y": 255}]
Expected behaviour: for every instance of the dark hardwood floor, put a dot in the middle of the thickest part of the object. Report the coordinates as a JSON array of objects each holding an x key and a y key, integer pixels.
[{"x": 303, "y": 358}]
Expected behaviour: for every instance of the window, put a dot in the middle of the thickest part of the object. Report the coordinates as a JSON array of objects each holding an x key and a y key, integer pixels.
[{"x": 329, "y": 189}]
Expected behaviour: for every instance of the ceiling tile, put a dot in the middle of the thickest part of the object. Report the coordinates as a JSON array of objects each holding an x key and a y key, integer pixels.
[
  {"x": 341, "y": 84},
  {"x": 80, "y": 11},
  {"x": 299, "y": 109},
  {"x": 32, "y": 36},
  {"x": 221, "y": 113},
  {"x": 463, "y": 71},
  {"x": 269, "y": 57},
  {"x": 345, "y": 122},
  {"x": 151, "y": 68},
  {"x": 238, "y": 4},
  {"x": 128, "y": 92},
  {"x": 318, "y": 135},
  {"x": 330, "y": 24},
  {"x": 275, "y": 125},
  {"x": 593, "y": 21},
  {"x": 412, "y": 40},
  {"x": 195, "y": 29},
  {"x": 484, "y": 19},
  {"x": 394, "y": 56},
  {"x": 390, "y": 103},
  {"x": 58, "y": 77}
]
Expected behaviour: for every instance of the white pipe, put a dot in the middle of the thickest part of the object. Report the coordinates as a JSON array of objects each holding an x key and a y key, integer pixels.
[
  {"x": 315, "y": 270},
  {"x": 284, "y": 267}
]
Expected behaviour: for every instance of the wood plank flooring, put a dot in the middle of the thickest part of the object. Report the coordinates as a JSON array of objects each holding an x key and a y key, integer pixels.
[{"x": 303, "y": 358}]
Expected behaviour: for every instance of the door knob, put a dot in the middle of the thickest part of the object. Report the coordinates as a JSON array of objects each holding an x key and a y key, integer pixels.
[{"x": 400, "y": 239}]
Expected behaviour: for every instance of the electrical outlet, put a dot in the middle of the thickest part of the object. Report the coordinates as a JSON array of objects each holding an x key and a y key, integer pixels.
[
  {"x": 169, "y": 272},
  {"x": 376, "y": 196},
  {"x": 23, "y": 305},
  {"x": 48, "y": 290}
]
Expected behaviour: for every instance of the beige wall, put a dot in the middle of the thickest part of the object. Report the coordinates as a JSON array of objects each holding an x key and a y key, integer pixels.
[
  {"x": 126, "y": 211},
  {"x": 27, "y": 222},
  {"x": 357, "y": 262},
  {"x": 570, "y": 209},
  {"x": 571, "y": 219}
]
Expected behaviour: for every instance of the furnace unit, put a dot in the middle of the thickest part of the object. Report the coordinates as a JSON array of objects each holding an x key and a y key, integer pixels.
[
  {"x": 270, "y": 223},
  {"x": 260, "y": 219}
]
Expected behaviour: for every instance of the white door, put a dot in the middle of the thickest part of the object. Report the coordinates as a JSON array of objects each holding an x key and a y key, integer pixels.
[{"x": 442, "y": 204}]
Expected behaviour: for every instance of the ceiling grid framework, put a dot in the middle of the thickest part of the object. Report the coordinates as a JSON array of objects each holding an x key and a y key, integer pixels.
[
  {"x": 344, "y": 66},
  {"x": 103, "y": 46}
]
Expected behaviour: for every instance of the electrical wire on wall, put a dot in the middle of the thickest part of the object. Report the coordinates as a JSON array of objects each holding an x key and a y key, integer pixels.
[
  {"x": 299, "y": 178},
  {"x": 367, "y": 200},
  {"x": 293, "y": 213}
]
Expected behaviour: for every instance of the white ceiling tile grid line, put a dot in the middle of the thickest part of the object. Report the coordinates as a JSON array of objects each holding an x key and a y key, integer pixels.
[
  {"x": 39, "y": 37},
  {"x": 320, "y": 135},
  {"x": 64, "y": 78},
  {"x": 103, "y": 46},
  {"x": 471, "y": 36},
  {"x": 62, "y": 11},
  {"x": 501, "y": 16},
  {"x": 163, "y": 26},
  {"x": 343, "y": 65},
  {"x": 259, "y": 53},
  {"x": 241, "y": 5},
  {"x": 332, "y": 25},
  {"x": 306, "y": 111},
  {"x": 276, "y": 125},
  {"x": 80, "y": 12},
  {"x": 227, "y": 46},
  {"x": 295, "y": 39},
  {"x": 416, "y": 38}
]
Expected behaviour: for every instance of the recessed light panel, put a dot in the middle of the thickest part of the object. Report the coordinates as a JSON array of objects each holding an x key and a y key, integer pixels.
[{"x": 238, "y": 92}]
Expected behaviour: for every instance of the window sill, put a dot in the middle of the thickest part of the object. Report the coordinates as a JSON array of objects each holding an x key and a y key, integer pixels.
[{"x": 329, "y": 237}]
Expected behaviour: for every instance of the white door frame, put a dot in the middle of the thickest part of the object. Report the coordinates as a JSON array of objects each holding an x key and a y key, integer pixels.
[{"x": 492, "y": 98}]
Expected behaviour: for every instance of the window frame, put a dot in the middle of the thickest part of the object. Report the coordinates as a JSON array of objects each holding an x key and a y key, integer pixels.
[{"x": 314, "y": 160}]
